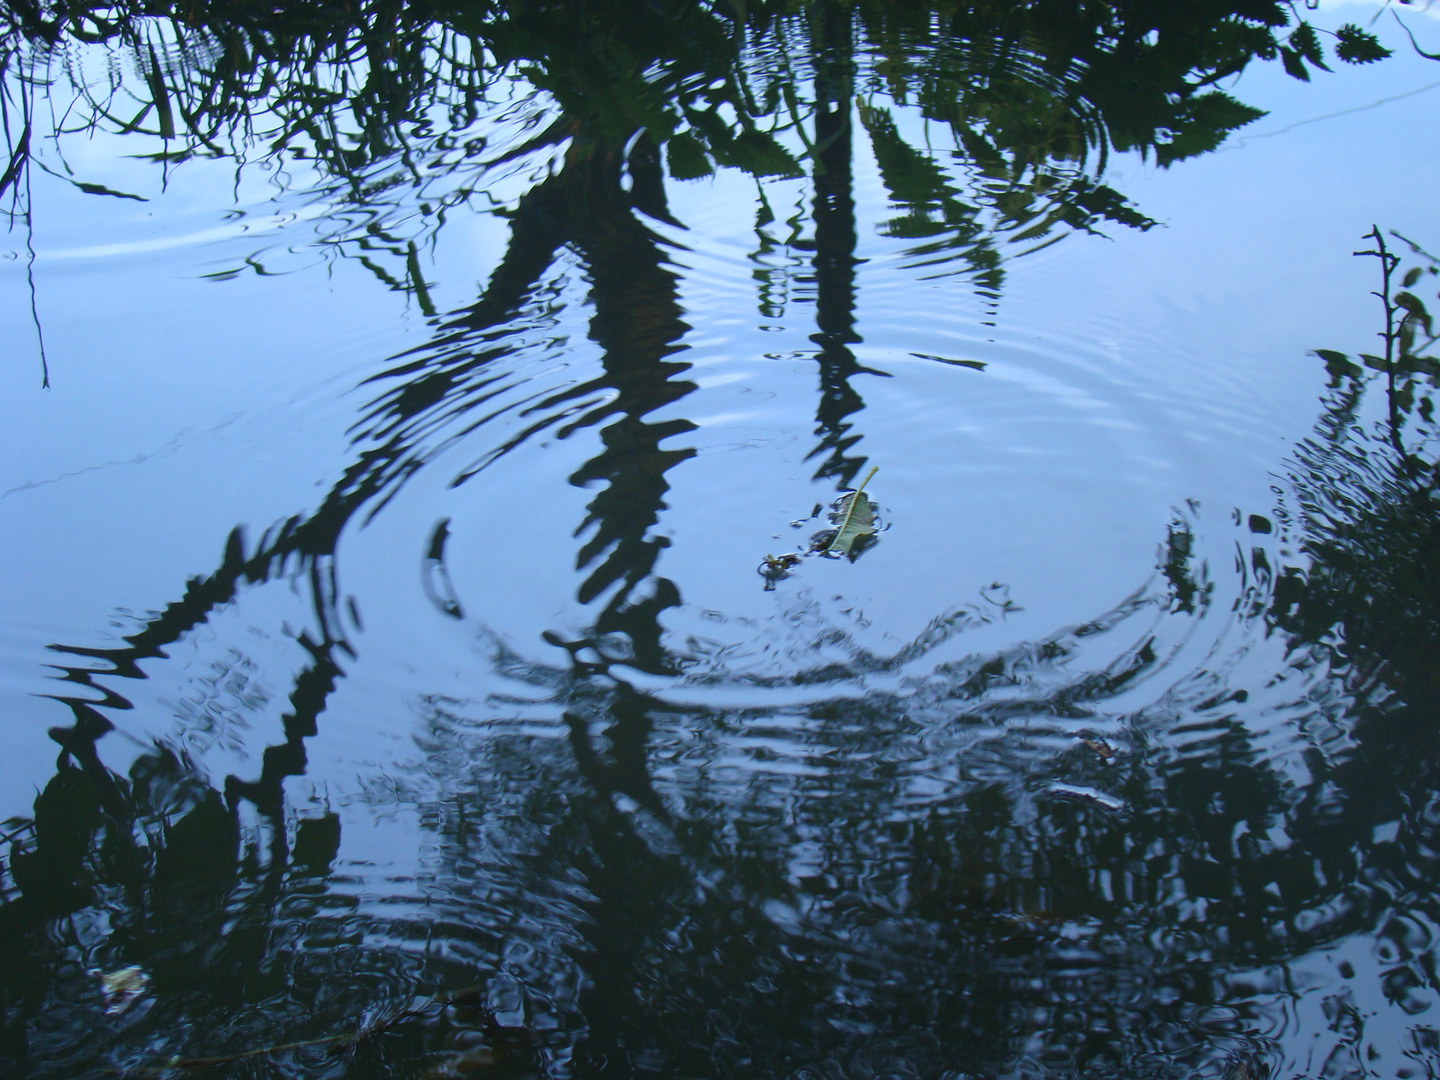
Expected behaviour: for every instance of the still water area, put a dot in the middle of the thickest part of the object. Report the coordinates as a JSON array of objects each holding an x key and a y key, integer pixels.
[{"x": 716, "y": 540}]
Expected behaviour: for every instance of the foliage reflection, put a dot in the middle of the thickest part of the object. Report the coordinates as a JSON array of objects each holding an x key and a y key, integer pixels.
[
  {"x": 1090, "y": 894},
  {"x": 813, "y": 922},
  {"x": 393, "y": 106}
]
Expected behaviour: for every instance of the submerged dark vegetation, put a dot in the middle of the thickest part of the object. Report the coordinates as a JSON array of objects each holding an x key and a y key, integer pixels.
[{"x": 930, "y": 940}]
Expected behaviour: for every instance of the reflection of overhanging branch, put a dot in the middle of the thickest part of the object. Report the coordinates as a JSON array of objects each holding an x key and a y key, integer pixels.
[
  {"x": 19, "y": 158},
  {"x": 384, "y": 100},
  {"x": 1408, "y": 331},
  {"x": 638, "y": 326},
  {"x": 16, "y": 179},
  {"x": 636, "y": 322}
]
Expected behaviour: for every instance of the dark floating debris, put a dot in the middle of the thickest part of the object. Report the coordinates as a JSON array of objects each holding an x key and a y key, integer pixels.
[{"x": 777, "y": 567}]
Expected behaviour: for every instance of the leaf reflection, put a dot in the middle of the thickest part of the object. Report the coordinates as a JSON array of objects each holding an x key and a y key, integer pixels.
[
  {"x": 836, "y": 883},
  {"x": 396, "y": 115},
  {"x": 774, "y": 919}
]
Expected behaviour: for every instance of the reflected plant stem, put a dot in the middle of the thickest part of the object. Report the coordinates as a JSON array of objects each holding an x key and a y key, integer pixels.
[
  {"x": 312, "y": 691},
  {"x": 627, "y": 771},
  {"x": 20, "y": 163},
  {"x": 30, "y": 278},
  {"x": 628, "y": 882},
  {"x": 638, "y": 326},
  {"x": 835, "y": 242},
  {"x": 1388, "y": 262}
]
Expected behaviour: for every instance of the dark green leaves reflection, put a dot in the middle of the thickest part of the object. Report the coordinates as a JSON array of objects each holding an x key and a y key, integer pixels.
[
  {"x": 1408, "y": 333},
  {"x": 1366, "y": 507},
  {"x": 820, "y": 910},
  {"x": 1357, "y": 46},
  {"x": 990, "y": 122}
]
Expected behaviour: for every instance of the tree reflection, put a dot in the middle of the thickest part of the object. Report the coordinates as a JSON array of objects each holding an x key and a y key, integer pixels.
[
  {"x": 821, "y": 920},
  {"x": 392, "y": 104},
  {"x": 817, "y": 918},
  {"x": 835, "y": 239},
  {"x": 637, "y": 324}
]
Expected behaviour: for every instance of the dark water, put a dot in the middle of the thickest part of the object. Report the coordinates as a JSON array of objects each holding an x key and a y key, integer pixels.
[{"x": 393, "y": 684}]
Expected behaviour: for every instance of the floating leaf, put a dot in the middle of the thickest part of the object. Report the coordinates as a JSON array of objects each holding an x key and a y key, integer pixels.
[
  {"x": 1411, "y": 276},
  {"x": 1102, "y": 749},
  {"x": 777, "y": 568},
  {"x": 854, "y": 517}
]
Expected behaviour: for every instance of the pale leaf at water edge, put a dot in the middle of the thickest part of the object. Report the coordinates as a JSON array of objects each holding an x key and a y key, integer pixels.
[{"x": 855, "y": 518}]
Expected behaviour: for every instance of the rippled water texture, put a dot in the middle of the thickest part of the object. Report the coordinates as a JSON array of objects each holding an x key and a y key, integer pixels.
[{"x": 389, "y": 578}]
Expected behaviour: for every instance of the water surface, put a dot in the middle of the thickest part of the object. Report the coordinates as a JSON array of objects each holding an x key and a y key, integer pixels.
[{"x": 389, "y": 670}]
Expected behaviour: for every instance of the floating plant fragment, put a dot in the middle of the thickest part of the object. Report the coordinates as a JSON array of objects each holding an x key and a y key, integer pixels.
[
  {"x": 122, "y": 988},
  {"x": 777, "y": 568},
  {"x": 854, "y": 518},
  {"x": 856, "y": 521},
  {"x": 1102, "y": 749}
]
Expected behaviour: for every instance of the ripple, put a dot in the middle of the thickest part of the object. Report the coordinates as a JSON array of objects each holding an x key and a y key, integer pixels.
[{"x": 482, "y": 719}]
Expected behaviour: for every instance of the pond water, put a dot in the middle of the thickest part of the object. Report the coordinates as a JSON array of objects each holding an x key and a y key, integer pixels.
[{"x": 426, "y": 651}]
